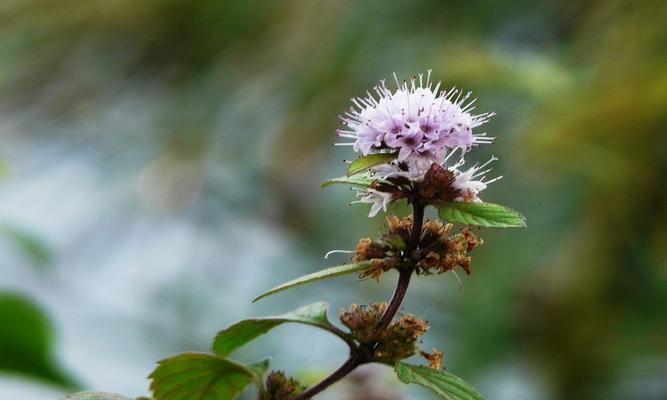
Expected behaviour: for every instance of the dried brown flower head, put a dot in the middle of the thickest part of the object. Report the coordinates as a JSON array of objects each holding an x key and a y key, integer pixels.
[
  {"x": 400, "y": 226},
  {"x": 437, "y": 184},
  {"x": 433, "y": 231},
  {"x": 378, "y": 266},
  {"x": 395, "y": 343},
  {"x": 400, "y": 339},
  {"x": 362, "y": 320},
  {"x": 446, "y": 252},
  {"x": 281, "y": 387},
  {"x": 367, "y": 249}
]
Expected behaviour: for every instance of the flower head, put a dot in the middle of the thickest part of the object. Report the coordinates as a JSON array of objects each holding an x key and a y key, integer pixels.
[
  {"x": 417, "y": 119},
  {"x": 421, "y": 127}
]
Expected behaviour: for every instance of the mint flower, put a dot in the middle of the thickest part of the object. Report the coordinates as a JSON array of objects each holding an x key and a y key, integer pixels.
[
  {"x": 435, "y": 182},
  {"x": 472, "y": 181},
  {"x": 379, "y": 200},
  {"x": 417, "y": 120}
]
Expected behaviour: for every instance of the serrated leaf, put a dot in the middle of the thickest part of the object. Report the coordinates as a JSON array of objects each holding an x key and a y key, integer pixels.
[
  {"x": 317, "y": 276},
  {"x": 95, "y": 396},
  {"x": 444, "y": 384},
  {"x": 363, "y": 180},
  {"x": 244, "y": 331},
  {"x": 481, "y": 214},
  {"x": 200, "y": 376},
  {"x": 365, "y": 162}
]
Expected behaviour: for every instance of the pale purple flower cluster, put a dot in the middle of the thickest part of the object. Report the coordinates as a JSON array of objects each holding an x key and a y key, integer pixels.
[
  {"x": 422, "y": 124},
  {"x": 417, "y": 120}
]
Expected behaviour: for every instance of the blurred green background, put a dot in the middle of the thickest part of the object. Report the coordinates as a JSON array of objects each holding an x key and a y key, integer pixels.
[{"x": 161, "y": 160}]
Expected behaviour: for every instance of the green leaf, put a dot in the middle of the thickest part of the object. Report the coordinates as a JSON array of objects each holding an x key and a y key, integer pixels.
[
  {"x": 363, "y": 180},
  {"x": 200, "y": 376},
  {"x": 95, "y": 396},
  {"x": 26, "y": 340},
  {"x": 243, "y": 332},
  {"x": 444, "y": 384},
  {"x": 259, "y": 367},
  {"x": 481, "y": 214},
  {"x": 316, "y": 276},
  {"x": 365, "y": 162}
]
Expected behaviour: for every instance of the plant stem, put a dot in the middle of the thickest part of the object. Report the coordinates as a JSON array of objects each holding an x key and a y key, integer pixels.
[
  {"x": 417, "y": 224},
  {"x": 353, "y": 362},
  {"x": 357, "y": 357},
  {"x": 396, "y": 299},
  {"x": 405, "y": 275}
]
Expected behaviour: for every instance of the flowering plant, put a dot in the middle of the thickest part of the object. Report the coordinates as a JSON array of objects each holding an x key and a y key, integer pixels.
[{"x": 412, "y": 141}]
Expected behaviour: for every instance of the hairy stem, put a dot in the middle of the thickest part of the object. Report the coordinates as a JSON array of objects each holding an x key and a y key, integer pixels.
[{"x": 357, "y": 357}]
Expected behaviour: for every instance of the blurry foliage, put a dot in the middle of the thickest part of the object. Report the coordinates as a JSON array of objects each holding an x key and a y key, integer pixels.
[
  {"x": 26, "y": 341},
  {"x": 31, "y": 247},
  {"x": 609, "y": 279}
]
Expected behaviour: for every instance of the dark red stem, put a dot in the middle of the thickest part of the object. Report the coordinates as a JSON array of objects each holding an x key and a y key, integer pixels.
[
  {"x": 353, "y": 362},
  {"x": 357, "y": 356}
]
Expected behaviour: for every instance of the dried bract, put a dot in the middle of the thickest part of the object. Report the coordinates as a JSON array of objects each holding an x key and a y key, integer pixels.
[{"x": 434, "y": 359}]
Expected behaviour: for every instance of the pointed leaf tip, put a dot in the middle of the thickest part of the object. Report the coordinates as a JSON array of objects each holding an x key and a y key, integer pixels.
[
  {"x": 363, "y": 180},
  {"x": 316, "y": 276},
  {"x": 242, "y": 332}
]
